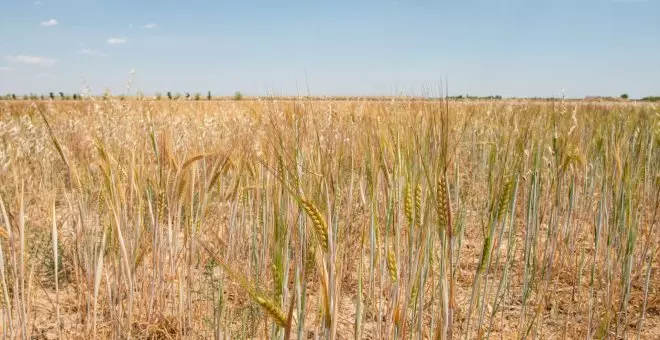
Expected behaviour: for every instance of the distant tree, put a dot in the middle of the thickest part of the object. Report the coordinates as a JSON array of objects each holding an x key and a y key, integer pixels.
[
  {"x": 159, "y": 95},
  {"x": 208, "y": 96},
  {"x": 42, "y": 97},
  {"x": 13, "y": 96},
  {"x": 122, "y": 97},
  {"x": 62, "y": 95},
  {"x": 238, "y": 95},
  {"x": 624, "y": 96},
  {"x": 187, "y": 95},
  {"x": 169, "y": 95},
  {"x": 75, "y": 96},
  {"x": 51, "y": 95},
  {"x": 198, "y": 96}
]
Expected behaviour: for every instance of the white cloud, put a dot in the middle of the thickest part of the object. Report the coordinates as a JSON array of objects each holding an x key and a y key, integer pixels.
[
  {"x": 151, "y": 25},
  {"x": 31, "y": 60},
  {"x": 117, "y": 41},
  {"x": 130, "y": 26},
  {"x": 38, "y": 2},
  {"x": 92, "y": 52},
  {"x": 5, "y": 68},
  {"x": 45, "y": 75},
  {"x": 51, "y": 22}
]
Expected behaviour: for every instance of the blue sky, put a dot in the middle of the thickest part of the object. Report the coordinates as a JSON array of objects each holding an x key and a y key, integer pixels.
[{"x": 359, "y": 47}]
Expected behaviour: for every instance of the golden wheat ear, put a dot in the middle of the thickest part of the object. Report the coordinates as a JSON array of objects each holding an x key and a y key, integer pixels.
[
  {"x": 443, "y": 202},
  {"x": 320, "y": 227},
  {"x": 271, "y": 309},
  {"x": 391, "y": 263}
]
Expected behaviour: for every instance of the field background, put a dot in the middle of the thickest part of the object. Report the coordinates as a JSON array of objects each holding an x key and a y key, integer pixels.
[{"x": 329, "y": 219}]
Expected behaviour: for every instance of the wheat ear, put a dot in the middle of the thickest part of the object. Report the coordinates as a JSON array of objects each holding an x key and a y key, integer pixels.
[{"x": 320, "y": 227}]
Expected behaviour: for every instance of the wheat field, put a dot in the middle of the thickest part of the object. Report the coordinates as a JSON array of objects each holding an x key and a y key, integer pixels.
[{"x": 299, "y": 219}]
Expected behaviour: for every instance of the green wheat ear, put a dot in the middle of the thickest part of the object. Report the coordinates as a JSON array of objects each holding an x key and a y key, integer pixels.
[
  {"x": 408, "y": 206},
  {"x": 418, "y": 205},
  {"x": 267, "y": 304},
  {"x": 505, "y": 197}
]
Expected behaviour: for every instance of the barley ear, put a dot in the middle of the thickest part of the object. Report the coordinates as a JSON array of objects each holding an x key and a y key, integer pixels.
[{"x": 191, "y": 160}]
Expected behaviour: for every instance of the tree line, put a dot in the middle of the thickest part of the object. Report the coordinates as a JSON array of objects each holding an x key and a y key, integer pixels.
[
  {"x": 75, "y": 96},
  {"x": 238, "y": 96}
]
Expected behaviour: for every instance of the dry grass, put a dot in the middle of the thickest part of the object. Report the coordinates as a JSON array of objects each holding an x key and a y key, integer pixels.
[{"x": 344, "y": 219}]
